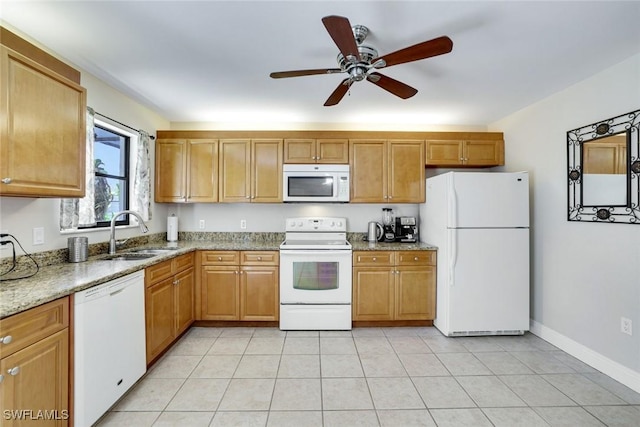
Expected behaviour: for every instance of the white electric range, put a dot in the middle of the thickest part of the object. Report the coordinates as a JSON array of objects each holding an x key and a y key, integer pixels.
[{"x": 315, "y": 275}]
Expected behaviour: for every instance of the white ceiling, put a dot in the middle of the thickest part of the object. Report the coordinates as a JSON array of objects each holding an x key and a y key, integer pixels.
[{"x": 209, "y": 61}]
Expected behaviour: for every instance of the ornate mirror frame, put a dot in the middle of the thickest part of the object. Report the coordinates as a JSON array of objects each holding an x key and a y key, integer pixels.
[{"x": 627, "y": 213}]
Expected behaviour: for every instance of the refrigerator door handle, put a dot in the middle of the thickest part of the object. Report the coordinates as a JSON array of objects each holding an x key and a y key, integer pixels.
[
  {"x": 453, "y": 254},
  {"x": 452, "y": 201}
]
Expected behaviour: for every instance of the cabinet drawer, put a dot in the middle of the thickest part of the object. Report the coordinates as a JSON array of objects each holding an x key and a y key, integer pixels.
[
  {"x": 182, "y": 262},
  {"x": 158, "y": 272},
  {"x": 33, "y": 325},
  {"x": 259, "y": 258},
  {"x": 373, "y": 258},
  {"x": 220, "y": 258},
  {"x": 416, "y": 258}
]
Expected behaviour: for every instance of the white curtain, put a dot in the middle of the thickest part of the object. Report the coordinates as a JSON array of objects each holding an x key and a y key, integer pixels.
[
  {"x": 141, "y": 200},
  {"x": 81, "y": 212}
]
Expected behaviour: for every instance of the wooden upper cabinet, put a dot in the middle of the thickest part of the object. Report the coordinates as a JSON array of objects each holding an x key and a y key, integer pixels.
[
  {"x": 467, "y": 152},
  {"x": 406, "y": 171},
  {"x": 42, "y": 129},
  {"x": 250, "y": 170},
  {"x": 330, "y": 151},
  {"x": 186, "y": 170},
  {"x": 369, "y": 171},
  {"x": 387, "y": 171}
]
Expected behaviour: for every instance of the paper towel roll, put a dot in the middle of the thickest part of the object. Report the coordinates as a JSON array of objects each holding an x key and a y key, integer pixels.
[{"x": 172, "y": 228}]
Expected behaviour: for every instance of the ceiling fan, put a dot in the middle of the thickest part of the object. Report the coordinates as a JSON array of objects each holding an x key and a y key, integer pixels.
[{"x": 360, "y": 61}]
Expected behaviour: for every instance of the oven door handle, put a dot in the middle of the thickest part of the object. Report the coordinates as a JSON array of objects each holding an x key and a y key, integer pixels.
[{"x": 319, "y": 252}]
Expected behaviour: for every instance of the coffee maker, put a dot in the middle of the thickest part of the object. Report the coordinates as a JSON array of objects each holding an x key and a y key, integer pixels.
[{"x": 406, "y": 229}]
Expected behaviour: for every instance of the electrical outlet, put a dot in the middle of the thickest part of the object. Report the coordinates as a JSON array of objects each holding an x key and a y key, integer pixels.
[
  {"x": 626, "y": 326},
  {"x": 243, "y": 224},
  {"x": 3, "y": 247},
  {"x": 38, "y": 235},
  {"x": 201, "y": 224}
]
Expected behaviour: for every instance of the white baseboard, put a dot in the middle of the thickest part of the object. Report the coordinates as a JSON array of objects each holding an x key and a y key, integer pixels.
[{"x": 618, "y": 372}]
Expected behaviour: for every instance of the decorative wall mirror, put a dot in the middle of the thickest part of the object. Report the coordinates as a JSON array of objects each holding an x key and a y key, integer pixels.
[{"x": 604, "y": 170}]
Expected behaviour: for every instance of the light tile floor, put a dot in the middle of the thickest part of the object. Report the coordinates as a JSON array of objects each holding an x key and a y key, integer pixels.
[{"x": 370, "y": 377}]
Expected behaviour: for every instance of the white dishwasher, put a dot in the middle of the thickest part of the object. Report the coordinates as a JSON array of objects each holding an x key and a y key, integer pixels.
[{"x": 109, "y": 347}]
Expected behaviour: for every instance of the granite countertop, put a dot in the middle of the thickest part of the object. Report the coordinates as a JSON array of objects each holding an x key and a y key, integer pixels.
[{"x": 62, "y": 279}]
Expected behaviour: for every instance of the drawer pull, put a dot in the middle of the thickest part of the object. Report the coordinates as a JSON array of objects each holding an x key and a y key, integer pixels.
[
  {"x": 14, "y": 371},
  {"x": 259, "y": 258},
  {"x": 1, "y": 378},
  {"x": 6, "y": 340},
  {"x": 416, "y": 258},
  {"x": 6, "y": 180},
  {"x": 375, "y": 259},
  {"x": 219, "y": 258}
]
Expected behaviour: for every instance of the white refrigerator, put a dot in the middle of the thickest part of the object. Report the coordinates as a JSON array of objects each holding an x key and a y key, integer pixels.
[{"x": 480, "y": 223}]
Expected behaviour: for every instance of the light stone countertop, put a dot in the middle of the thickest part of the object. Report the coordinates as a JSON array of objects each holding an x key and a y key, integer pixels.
[{"x": 59, "y": 280}]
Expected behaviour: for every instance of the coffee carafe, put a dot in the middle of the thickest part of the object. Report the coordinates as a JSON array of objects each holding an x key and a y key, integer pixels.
[{"x": 387, "y": 224}]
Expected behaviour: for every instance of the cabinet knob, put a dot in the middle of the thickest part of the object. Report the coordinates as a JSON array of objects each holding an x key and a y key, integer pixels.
[
  {"x": 247, "y": 197},
  {"x": 219, "y": 258},
  {"x": 375, "y": 259},
  {"x": 259, "y": 258},
  {"x": 242, "y": 272},
  {"x": 416, "y": 258},
  {"x": 1, "y": 378},
  {"x": 6, "y": 339},
  {"x": 14, "y": 371},
  {"x": 235, "y": 272},
  {"x": 6, "y": 180}
]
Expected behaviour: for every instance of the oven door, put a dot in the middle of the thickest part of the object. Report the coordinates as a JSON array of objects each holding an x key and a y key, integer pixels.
[{"x": 315, "y": 276}]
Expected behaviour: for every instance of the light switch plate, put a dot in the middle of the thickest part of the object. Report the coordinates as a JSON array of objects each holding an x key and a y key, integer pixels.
[{"x": 38, "y": 235}]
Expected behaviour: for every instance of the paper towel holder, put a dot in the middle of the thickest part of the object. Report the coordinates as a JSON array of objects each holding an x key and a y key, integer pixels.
[{"x": 172, "y": 228}]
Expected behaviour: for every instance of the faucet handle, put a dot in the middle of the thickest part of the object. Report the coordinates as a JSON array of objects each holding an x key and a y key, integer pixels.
[{"x": 121, "y": 242}]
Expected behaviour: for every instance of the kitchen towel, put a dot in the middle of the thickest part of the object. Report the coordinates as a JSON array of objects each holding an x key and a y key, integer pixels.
[{"x": 172, "y": 228}]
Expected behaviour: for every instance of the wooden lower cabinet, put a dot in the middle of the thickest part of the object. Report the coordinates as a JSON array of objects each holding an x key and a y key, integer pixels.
[
  {"x": 35, "y": 366},
  {"x": 393, "y": 285},
  {"x": 239, "y": 285},
  {"x": 169, "y": 302}
]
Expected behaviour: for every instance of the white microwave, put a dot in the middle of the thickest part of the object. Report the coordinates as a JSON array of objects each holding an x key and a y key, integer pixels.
[{"x": 316, "y": 183}]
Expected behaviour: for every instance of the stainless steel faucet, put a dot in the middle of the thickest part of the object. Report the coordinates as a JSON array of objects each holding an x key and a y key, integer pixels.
[{"x": 112, "y": 239}]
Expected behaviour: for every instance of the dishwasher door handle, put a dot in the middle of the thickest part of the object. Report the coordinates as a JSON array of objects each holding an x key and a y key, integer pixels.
[{"x": 116, "y": 292}]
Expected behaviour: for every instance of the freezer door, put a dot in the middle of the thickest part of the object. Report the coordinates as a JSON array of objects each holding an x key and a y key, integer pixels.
[
  {"x": 488, "y": 200},
  {"x": 489, "y": 283}
]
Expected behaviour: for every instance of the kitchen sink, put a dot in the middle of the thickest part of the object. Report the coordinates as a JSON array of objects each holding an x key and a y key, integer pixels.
[{"x": 128, "y": 256}]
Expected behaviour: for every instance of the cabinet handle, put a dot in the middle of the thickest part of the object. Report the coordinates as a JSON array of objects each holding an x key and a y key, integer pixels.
[
  {"x": 1, "y": 378},
  {"x": 235, "y": 272},
  {"x": 219, "y": 258},
  {"x": 6, "y": 180},
  {"x": 375, "y": 259},
  {"x": 14, "y": 371},
  {"x": 242, "y": 272},
  {"x": 259, "y": 258},
  {"x": 6, "y": 340},
  {"x": 247, "y": 197},
  {"x": 416, "y": 258}
]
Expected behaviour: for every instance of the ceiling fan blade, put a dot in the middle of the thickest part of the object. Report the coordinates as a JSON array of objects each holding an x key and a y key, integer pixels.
[
  {"x": 338, "y": 94},
  {"x": 391, "y": 85},
  {"x": 435, "y": 47},
  {"x": 340, "y": 31},
  {"x": 299, "y": 73}
]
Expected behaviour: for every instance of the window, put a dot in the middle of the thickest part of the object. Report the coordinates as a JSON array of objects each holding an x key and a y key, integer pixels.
[{"x": 111, "y": 150}]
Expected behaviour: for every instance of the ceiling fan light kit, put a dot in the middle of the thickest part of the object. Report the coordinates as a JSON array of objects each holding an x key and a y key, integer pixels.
[{"x": 360, "y": 61}]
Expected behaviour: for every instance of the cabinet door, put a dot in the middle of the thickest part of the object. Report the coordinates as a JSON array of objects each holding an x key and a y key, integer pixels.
[
  {"x": 260, "y": 298},
  {"x": 299, "y": 151},
  {"x": 483, "y": 153},
  {"x": 43, "y": 146},
  {"x": 332, "y": 151},
  {"x": 40, "y": 380},
  {"x": 160, "y": 316},
  {"x": 171, "y": 169},
  {"x": 235, "y": 170},
  {"x": 220, "y": 293},
  {"x": 202, "y": 170},
  {"x": 444, "y": 152},
  {"x": 415, "y": 293},
  {"x": 406, "y": 172},
  {"x": 373, "y": 295},
  {"x": 368, "y": 171},
  {"x": 184, "y": 300},
  {"x": 266, "y": 161}
]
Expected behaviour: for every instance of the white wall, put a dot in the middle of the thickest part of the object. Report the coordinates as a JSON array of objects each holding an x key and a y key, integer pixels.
[
  {"x": 585, "y": 276},
  {"x": 20, "y": 215}
]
